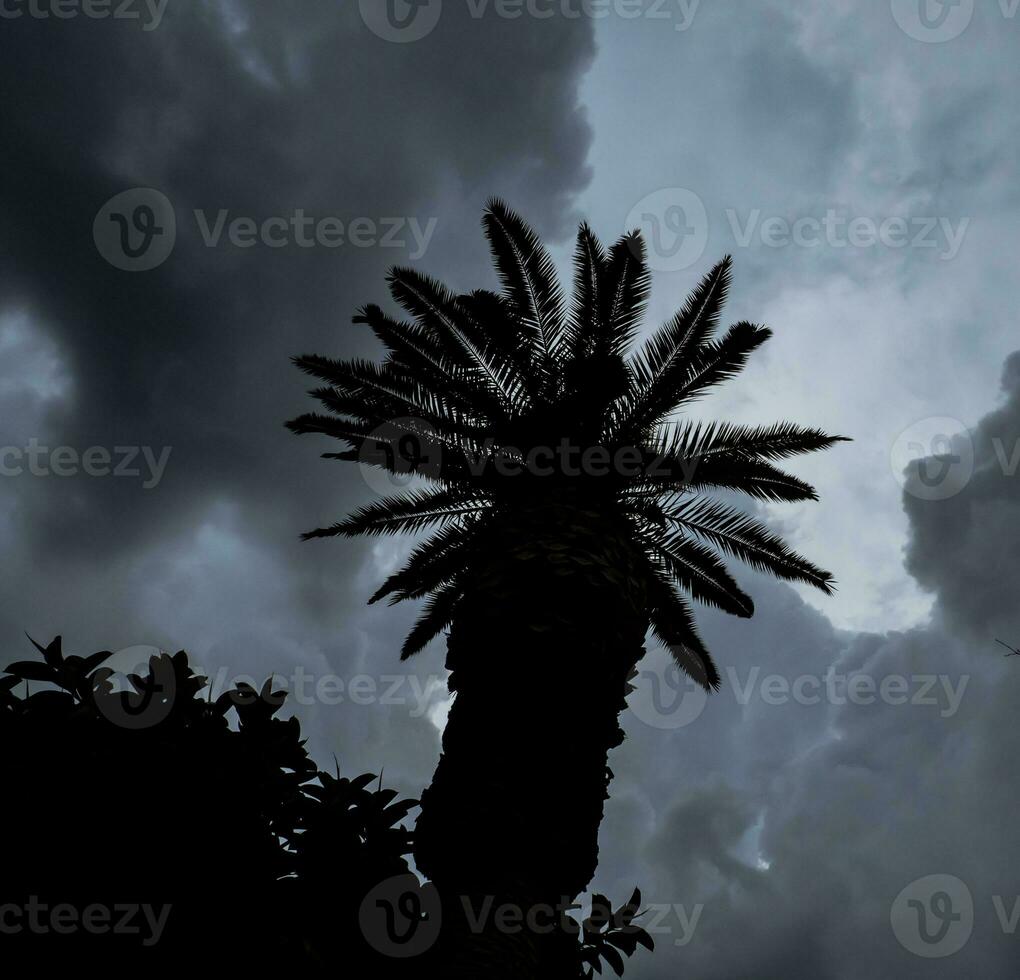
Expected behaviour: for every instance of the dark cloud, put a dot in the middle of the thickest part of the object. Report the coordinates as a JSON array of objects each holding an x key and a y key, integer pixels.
[
  {"x": 966, "y": 546},
  {"x": 262, "y": 109},
  {"x": 796, "y": 821},
  {"x": 793, "y": 822}
]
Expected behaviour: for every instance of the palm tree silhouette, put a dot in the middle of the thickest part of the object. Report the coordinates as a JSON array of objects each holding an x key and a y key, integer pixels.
[{"x": 569, "y": 516}]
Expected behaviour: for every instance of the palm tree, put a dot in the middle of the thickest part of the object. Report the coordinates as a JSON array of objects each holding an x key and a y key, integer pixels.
[{"x": 568, "y": 509}]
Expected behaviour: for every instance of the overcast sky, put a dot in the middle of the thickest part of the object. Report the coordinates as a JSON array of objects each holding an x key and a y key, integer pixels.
[{"x": 860, "y": 165}]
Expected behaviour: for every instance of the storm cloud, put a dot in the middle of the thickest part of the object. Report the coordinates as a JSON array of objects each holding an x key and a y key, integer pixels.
[{"x": 860, "y": 744}]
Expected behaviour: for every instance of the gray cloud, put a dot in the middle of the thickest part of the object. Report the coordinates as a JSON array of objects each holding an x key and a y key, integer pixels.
[
  {"x": 966, "y": 547},
  {"x": 797, "y": 822},
  {"x": 794, "y": 824},
  {"x": 261, "y": 109}
]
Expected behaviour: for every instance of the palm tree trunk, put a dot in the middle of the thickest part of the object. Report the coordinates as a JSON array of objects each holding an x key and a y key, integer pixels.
[{"x": 540, "y": 651}]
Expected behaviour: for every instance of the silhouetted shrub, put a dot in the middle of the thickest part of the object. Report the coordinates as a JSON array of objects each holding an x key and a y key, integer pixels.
[
  {"x": 141, "y": 830},
  {"x": 152, "y": 798}
]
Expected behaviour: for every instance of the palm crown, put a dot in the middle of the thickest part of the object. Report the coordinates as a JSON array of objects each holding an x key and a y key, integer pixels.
[{"x": 517, "y": 398}]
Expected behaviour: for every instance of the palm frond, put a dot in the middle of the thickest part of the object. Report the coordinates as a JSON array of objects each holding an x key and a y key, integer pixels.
[
  {"x": 433, "y": 305},
  {"x": 435, "y": 561},
  {"x": 718, "y": 361},
  {"x": 697, "y": 441},
  {"x": 624, "y": 289},
  {"x": 350, "y": 431},
  {"x": 527, "y": 274},
  {"x": 374, "y": 383},
  {"x": 747, "y": 539},
  {"x": 438, "y": 614},
  {"x": 664, "y": 356},
  {"x": 673, "y": 625},
  {"x": 426, "y": 358},
  {"x": 754, "y": 478},
  {"x": 411, "y": 511},
  {"x": 698, "y": 571},
  {"x": 583, "y": 323}
]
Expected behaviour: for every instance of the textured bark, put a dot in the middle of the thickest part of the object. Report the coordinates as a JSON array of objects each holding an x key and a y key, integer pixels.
[{"x": 540, "y": 652}]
